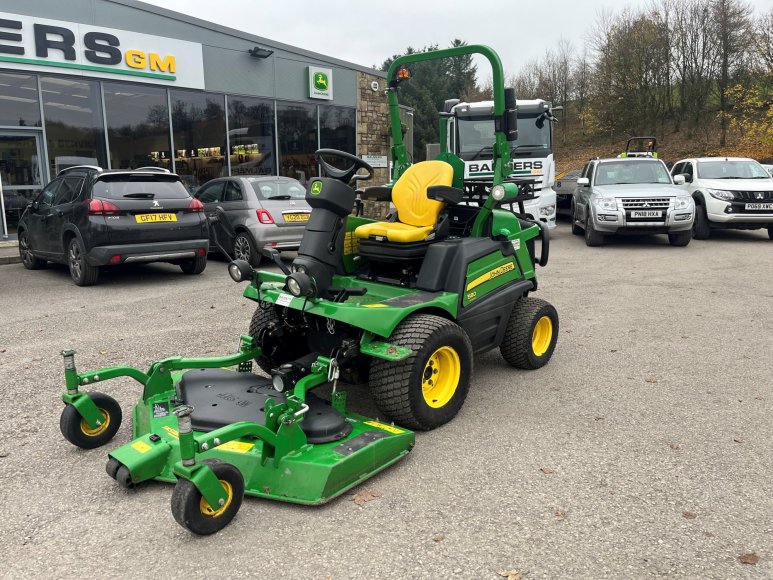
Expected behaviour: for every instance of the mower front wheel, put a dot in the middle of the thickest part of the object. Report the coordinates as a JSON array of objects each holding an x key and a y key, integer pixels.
[
  {"x": 531, "y": 334},
  {"x": 78, "y": 432},
  {"x": 428, "y": 388},
  {"x": 193, "y": 512}
]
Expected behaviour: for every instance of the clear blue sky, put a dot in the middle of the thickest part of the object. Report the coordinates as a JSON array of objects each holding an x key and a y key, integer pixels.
[{"x": 367, "y": 32}]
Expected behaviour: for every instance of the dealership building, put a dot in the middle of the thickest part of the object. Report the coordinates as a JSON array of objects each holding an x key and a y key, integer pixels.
[{"x": 123, "y": 84}]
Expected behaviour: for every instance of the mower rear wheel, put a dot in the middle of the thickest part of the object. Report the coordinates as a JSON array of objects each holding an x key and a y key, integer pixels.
[
  {"x": 285, "y": 351},
  {"x": 428, "y": 388},
  {"x": 193, "y": 512},
  {"x": 78, "y": 432},
  {"x": 531, "y": 334}
]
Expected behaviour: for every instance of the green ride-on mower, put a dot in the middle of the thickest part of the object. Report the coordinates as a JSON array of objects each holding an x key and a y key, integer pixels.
[{"x": 402, "y": 305}]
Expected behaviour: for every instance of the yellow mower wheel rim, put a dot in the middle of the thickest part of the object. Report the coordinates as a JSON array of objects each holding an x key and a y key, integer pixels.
[
  {"x": 207, "y": 510},
  {"x": 99, "y": 429},
  {"x": 441, "y": 377},
  {"x": 542, "y": 336}
]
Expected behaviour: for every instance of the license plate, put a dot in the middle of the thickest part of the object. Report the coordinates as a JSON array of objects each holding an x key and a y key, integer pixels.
[
  {"x": 759, "y": 206},
  {"x": 646, "y": 214},
  {"x": 150, "y": 218},
  {"x": 296, "y": 217}
]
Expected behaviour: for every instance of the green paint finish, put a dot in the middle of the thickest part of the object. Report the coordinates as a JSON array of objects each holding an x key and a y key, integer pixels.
[
  {"x": 487, "y": 274},
  {"x": 458, "y": 166},
  {"x": 367, "y": 312},
  {"x": 88, "y": 67},
  {"x": 383, "y": 350},
  {"x": 85, "y": 407}
]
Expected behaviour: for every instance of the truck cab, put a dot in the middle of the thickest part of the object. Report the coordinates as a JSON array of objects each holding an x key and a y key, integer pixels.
[{"x": 469, "y": 134}]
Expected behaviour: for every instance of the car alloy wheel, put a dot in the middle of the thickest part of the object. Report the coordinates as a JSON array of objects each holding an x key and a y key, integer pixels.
[
  {"x": 75, "y": 259},
  {"x": 242, "y": 249}
]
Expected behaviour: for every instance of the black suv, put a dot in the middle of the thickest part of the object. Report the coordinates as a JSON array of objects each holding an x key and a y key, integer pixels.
[{"x": 88, "y": 217}]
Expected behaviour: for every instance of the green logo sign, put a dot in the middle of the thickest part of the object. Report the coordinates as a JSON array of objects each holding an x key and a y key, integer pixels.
[
  {"x": 320, "y": 81},
  {"x": 316, "y": 188}
]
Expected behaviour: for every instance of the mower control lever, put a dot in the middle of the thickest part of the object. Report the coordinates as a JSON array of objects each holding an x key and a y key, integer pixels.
[
  {"x": 273, "y": 255},
  {"x": 342, "y": 294}
]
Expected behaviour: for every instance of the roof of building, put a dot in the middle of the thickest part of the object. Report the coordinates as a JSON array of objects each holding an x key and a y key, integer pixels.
[{"x": 244, "y": 35}]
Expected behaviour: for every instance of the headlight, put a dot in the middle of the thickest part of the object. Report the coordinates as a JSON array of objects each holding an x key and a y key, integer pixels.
[
  {"x": 299, "y": 284},
  {"x": 547, "y": 210},
  {"x": 240, "y": 270},
  {"x": 498, "y": 192},
  {"x": 683, "y": 202},
  {"x": 606, "y": 203},
  {"x": 277, "y": 381},
  {"x": 721, "y": 194}
]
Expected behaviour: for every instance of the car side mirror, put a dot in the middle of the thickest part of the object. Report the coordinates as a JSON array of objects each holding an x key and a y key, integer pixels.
[
  {"x": 34, "y": 205},
  {"x": 583, "y": 181},
  {"x": 680, "y": 179}
]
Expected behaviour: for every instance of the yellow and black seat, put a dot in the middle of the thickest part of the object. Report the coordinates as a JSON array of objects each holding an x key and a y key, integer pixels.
[{"x": 419, "y": 196}]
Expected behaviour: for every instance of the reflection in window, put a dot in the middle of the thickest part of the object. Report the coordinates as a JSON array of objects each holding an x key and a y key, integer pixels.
[
  {"x": 137, "y": 126},
  {"x": 251, "y": 136},
  {"x": 19, "y": 100},
  {"x": 337, "y": 129},
  {"x": 73, "y": 123},
  {"x": 297, "y": 130},
  {"x": 198, "y": 126}
]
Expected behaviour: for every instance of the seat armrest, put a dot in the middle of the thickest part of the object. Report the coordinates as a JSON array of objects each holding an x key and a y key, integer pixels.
[
  {"x": 445, "y": 193},
  {"x": 376, "y": 193}
]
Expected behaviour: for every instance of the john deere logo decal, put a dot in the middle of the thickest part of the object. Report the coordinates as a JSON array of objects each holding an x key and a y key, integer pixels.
[
  {"x": 316, "y": 188},
  {"x": 320, "y": 81}
]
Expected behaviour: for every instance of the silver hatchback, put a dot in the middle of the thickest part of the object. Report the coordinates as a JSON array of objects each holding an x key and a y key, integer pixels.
[{"x": 265, "y": 211}]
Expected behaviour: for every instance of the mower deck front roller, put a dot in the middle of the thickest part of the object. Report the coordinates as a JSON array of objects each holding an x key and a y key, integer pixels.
[{"x": 428, "y": 388}]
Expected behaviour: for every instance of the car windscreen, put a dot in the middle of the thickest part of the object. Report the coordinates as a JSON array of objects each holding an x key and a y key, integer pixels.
[
  {"x": 625, "y": 172},
  {"x": 476, "y": 137},
  {"x": 268, "y": 189},
  {"x": 740, "y": 169},
  {"x": 140, "y": 187}
]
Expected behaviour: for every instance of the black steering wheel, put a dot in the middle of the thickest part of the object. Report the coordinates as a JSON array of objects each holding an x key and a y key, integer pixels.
[{"x": 346, "y": 175}]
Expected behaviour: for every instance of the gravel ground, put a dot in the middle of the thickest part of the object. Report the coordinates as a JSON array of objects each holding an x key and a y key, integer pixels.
[{"x": 644, "y": 449}]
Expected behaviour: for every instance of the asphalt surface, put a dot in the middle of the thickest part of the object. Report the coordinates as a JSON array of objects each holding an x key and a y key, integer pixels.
[{"x": 644, "y": 449}]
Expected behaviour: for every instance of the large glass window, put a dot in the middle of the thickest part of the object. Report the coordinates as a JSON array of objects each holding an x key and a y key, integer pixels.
[
  {"x": 337, "y": 128},
  {"x": 297, "y": 130},
  {"x": 198, "y": 126},
  {"x": 19, "y": 100},
  {"x": 137, "y": 126},
  {"x": 251, "y": 136},
  {"x": 74, "y": 127}
]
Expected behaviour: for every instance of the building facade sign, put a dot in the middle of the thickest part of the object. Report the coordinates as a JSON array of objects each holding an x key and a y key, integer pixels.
[
  {"x": 38, "y": 44},
  {"x": 320, "y": 83}
]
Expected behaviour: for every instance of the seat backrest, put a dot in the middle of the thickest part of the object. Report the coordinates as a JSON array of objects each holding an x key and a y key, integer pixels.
[{"x": 409, "y": 194}]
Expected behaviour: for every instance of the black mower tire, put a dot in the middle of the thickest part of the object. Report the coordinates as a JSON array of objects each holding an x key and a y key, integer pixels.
[
  {"x": 701, "y": 228},
  {"x": 593, "y": 238},
  {"x": 81, "y": 272},
  {"x": 194, "y": 265},
  {"x": 192, "y": 512},
  {"x": 770, "y": 232},
  {"x": 77, "y": 431},
  {"x": 397, "y": 387},
  {"x": 518, "y": 345},
  {"x": 28, "y": 259},
  {"x": 680, "y": 239},
  {"x": 245, "y": 249},
  {"x": 124, "y": 477},
  {"x": 576, "y": 230}
]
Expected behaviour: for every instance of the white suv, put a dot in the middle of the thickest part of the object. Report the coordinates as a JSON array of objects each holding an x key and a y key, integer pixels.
[{"x": 729, "y": 192}]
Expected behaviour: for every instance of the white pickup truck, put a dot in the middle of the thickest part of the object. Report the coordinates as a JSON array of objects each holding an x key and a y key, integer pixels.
[{"x": 729, "y": 192}]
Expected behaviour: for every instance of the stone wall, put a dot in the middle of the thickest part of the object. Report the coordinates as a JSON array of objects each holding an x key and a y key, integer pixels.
[{"x": 373, "y": 132}]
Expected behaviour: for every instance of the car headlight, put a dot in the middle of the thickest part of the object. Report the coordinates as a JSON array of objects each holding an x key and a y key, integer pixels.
[
  {"x": 721, "y": 194},
  {"x": 606, "y": 203},
  {"x": 683, "y": 202},
  {"x": 547, "y": 210}
]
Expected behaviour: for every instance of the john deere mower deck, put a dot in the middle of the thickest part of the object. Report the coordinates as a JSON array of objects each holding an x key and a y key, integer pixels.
[{"x": 401, "y": 305}]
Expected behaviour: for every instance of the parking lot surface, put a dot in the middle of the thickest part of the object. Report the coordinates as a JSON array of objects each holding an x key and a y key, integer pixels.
[{"x": 644, "y": 448}]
